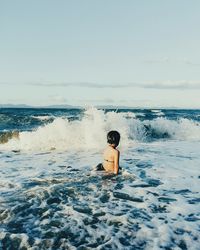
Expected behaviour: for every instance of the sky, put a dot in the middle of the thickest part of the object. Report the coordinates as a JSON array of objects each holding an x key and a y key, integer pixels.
[{"x": 100, "y": 52}]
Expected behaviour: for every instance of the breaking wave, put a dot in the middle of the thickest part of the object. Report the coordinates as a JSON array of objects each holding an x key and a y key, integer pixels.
[{"x": 90, "y": 132}]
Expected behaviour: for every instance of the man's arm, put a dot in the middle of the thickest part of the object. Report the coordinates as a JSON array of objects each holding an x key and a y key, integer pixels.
[{"x": 116, "y": 162}]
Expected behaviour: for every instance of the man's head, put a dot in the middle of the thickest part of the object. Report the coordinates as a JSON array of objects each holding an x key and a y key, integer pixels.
[{"x": 113, "y": 137}]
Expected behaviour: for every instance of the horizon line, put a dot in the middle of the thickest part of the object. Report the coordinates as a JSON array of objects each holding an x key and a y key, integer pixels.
[{"x": 108, "y": 106}]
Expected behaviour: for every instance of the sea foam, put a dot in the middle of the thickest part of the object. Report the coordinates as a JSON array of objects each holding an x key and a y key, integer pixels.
[{"x": 90, "y": 131}]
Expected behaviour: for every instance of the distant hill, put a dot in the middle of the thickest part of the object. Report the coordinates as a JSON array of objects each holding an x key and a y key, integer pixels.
[
  {"x": 45, "y": 107},
  {"x": 62, "y": 106},
  {"x": 65, "y": 106},
  {"x": 14, "y": 106}
]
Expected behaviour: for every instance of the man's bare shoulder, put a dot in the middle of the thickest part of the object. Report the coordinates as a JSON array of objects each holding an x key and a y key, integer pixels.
[{"x": 116, "y": 151}]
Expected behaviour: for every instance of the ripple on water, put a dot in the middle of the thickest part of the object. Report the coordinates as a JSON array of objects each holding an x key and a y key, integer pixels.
[
  {"x": 192, "y": 217},
  {"x": 104, "y": 197},
  {"x": 53, "y": 200},
  {"x": 182, "y": 191},
  {"x": 140, "y": 214},
  {"x": 70, "y": 210},
  {"x": 194, "y": 201},
  {"x": 83, "y": 209},
  {"x": 125, "y": 196},
  {"x": 166, "y": 199},
  {"x": 158, "y": 208},
  {"x": 144, "y": 164}
]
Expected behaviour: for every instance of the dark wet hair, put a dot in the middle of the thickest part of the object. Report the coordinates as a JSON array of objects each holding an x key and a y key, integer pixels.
[{"x": 113, "y": 137}]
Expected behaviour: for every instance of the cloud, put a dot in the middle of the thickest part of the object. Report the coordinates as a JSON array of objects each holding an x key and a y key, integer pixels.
[
  {"x": 78, "y": 84},
  {"x": 167, "y": 60},
  {"x": 148, "y": 85},
  {"x": 159, "y": 60},
  {"x": 105, "y": 100},
  {"x": 58, "y": 98},
  {"x": 186, "y": 61},
  {"x": 170, "y": 84}
]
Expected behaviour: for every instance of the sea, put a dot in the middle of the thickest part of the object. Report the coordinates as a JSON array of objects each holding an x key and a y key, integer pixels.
[{"x": 51, "y": 196}]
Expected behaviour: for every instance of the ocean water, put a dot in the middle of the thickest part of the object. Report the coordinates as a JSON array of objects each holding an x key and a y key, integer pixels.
[{"x": 52, "y": 198}]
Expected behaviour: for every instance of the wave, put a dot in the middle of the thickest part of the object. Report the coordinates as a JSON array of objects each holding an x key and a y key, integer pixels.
[
  {"x": 90, "y": 132},
  {"x": 42, "y": 117},
  {"x": 12, "y": 121},
  {"x": 157, "y": 112},
  {"x": 181, "y": 129},
  {"x": 5, "y": 136}
]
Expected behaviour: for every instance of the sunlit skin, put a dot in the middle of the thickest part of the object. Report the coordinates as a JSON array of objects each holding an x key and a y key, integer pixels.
[{"x": 111, "y": 159}]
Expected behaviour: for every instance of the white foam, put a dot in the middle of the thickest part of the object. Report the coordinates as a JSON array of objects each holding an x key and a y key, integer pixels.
[
  {"x": 181, "y": 129},
  {"x": 42, "y": 117},
  {"x": 169, "y": 166},
  {"x": 90, "y": 132},
  {"x": 128, "y": 114},
  {"x": 156, "y": 110}
]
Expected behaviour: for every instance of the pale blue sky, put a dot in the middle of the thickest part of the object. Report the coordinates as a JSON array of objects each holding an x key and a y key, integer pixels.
[{"x": 120, "y": 52}]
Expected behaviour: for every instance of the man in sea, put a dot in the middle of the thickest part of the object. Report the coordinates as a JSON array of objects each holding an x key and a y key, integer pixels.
[{"x": 111, "y": 154}]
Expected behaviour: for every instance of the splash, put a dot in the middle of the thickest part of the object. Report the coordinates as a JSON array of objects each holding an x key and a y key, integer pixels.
[{"x": 90, "y": 132}]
